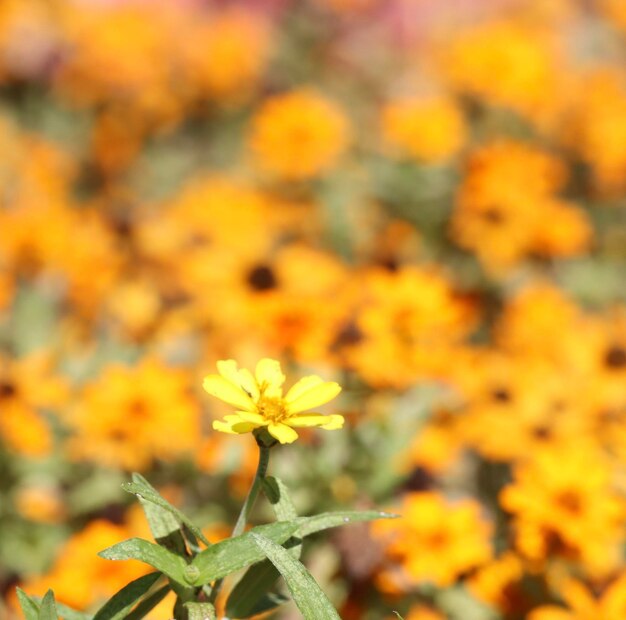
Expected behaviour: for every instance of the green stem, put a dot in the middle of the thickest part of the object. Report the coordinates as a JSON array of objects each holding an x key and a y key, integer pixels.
[{"x": 246, "y": 509}]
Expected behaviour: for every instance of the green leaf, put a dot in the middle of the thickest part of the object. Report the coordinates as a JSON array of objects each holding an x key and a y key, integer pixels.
[
  {"x": 399, "y": 616},
  {"x": 251, "y": 595},
  {"x": 253, "y": 591},
  {"x": 263, "y": 604},
  {"x": 48, "y": 609},
  {"x": 233, "y": 554},
  {"x": 327, "y": 520},
  {"x": 123, "y": 601},
  {"x": 307, "y": 595},
  {"x": 29, "y": 606},
  {"x": 278, "y": 495},
  {"x": 148, "y": 604},
  {"x": 145, "y": 491},
  {"x": 156, "y": 556},
  {"x": 200, "y": 611},
  {"x": 67, "y": 613}
]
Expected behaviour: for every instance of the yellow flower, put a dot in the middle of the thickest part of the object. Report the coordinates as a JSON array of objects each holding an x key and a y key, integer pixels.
[{"x": 260, "y": 402}]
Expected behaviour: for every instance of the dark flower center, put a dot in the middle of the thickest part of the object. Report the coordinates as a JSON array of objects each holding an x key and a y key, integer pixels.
[
  {"x": 7, "y": 390},
  {"x": 262, "y": 278},
  {"x": 615, "y": 357}
]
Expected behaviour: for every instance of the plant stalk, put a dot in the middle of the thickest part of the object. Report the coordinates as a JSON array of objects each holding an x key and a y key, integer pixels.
[{"x": 246, "y": 509}]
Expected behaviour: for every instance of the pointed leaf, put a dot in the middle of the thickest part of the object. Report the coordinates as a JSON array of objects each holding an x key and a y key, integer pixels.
[
  {"x": 263, "y": 604},
  {"x": 306, "y": 593},
  {"x": 278, "y": 495},
  {"x": 164, "y": 526},
  {"x": 67, "y": 613},
  {"x": 29, "y": 606},
  {"x": 144, "y": 490},
  {"x": 252, "y": 594},
  {"x": 48, "y": 608},
  {"x": 200, "y": 611},
  {"x": 156, "y": 556},
  {"x": 123, "y": 601},
  {"x": 326, "y": 520},
  {"x": 229, "y": 556},
  {"x": 260, "y": 578},
  {"x": 148, "y": 604}
]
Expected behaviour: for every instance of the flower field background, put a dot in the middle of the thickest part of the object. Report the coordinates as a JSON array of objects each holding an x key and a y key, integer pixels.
[{"x": 421, "y": 200}]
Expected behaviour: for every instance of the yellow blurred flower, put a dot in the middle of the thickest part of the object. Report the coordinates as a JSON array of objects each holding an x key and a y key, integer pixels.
[
  {"x": 585, "y": 604},
  {"x": 78, "y": 576},
  {"x": 260, "y": 401},
  {"x": 436, "y": 540},
  {"x": 565, "y": 508},
  {"x": 298, "y": 135},
  {"x": 431, "y": 130},
  {"x": 128, "y": 416}
]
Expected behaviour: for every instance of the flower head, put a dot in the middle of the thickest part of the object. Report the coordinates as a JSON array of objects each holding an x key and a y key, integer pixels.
[{"x": 260, "y": 402}]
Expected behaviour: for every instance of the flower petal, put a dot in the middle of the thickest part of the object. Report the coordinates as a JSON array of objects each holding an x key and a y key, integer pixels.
[
  {"x": 230, "y": 393},
  {"x": 244, "y": 427},
  {"x": 255, "y": 418},
  {"x": 307, "y": 419},
  {"x": 314, "y": 397},
  {"x": 282, "y": 432},
  {"x": 270, "y": 377},
  {"x": 302, "y": 386},
  {"x": 335, "y": 422},
  {"x": 223, "y": 427},
  {"x": 240, "y": 377}
]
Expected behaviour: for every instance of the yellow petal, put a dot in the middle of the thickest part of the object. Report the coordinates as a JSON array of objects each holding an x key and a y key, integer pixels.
[
  {"x": 248, "y": 383},
  {"x": 255, "y": 418},
  {"x": 302, "y": 386},
  {"x": 230, "y": 393},
  {"x": 270, "y": 377},
  {"x": 244, "y": 427},
  {"x": 335, "y": 422},
  {"x": 241, "y": 377},
  {"x": 307, "y": 419},
  {"x": 314, "y": 397},
  {"x": 223, "y": 427},
  {"x": 282, "y": 432},
  {"x": 228, "y": 369}
]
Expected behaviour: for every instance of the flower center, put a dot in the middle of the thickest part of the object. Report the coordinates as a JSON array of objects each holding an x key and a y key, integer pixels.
[{"x": 272, "y": 409}]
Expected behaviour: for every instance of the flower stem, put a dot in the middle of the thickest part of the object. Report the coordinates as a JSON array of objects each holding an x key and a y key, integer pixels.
[
  {"x": 261, "y": 471},
  {"x": 246, "y": 509}
]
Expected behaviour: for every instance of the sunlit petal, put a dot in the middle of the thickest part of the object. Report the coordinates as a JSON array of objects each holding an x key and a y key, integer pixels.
[
  {"x": 270, "y": 376},
  {"x": 306, "y": 420},
  {"x": 223, "y": 427},
  {"x": 302, "y": 386},
  {"x": 314, "y": 397},
  {"x": 333, "y": 422},
  {"x": 255, "y": 418},
  {"x": 244, "y": 427},
  {"x": 230, "y": 393},
  {"x": 282, "y": 432},
  {"x": 240, "y": 377}
]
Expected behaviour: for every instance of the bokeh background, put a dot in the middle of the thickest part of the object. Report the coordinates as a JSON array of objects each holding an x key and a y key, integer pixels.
[{"x": 421, "y": 199}]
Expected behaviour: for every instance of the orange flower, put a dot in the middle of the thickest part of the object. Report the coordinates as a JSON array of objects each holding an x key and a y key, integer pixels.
[
  {"x": 298, "y": 135},
  {"x": 564, "y": 507},
  {"x": 583, "y": 604},
  {"x": 28, "y": 386},
  {"x": 79, "y": 577},
  {"x": 436, "y": 540},
  {"x": 431, "y": 130},
  {"x": 225, "y": 55},
  {"x": 128, "y": 416}
]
